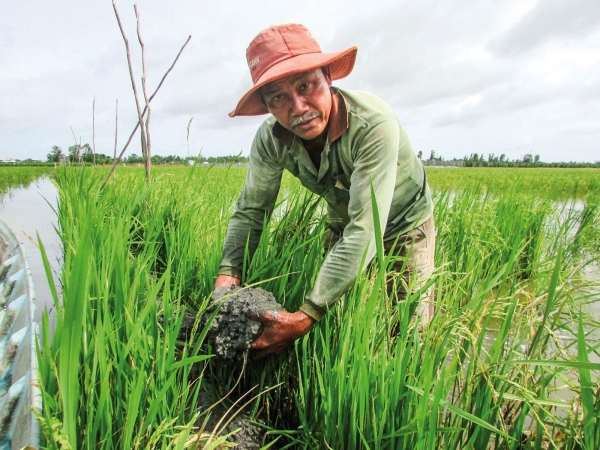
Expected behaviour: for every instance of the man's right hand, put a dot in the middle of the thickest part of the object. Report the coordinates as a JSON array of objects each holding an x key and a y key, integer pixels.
[{"x": 226, "y": 281}]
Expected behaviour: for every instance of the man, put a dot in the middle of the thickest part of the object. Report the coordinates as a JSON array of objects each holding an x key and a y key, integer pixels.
[{"x": 338, "y": 143}]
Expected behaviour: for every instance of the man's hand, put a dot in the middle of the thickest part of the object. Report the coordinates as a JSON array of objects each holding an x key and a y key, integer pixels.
[
  {"x": 281, "y": 329},
  {"x": 226, "y": 281}
]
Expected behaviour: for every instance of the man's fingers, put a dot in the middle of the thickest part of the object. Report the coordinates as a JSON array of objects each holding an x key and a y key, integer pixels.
[
  {"x": 282, "y": 347},
  {"x": 264, "y": 346},
  {"x": 260, "y": 343}
]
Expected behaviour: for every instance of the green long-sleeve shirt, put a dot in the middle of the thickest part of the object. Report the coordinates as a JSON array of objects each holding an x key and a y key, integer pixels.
[{"x": 366, "y": 145}]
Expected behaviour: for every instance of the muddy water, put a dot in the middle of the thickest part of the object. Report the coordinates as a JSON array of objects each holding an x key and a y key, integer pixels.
[
  {"x": 29, "y": 212},
  {"x": 592, "y": 273},
  {"x": 568, "y": 340}
]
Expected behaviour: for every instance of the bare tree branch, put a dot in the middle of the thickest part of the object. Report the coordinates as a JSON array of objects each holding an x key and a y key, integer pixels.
[
  {"x": 133, "y": 85},
  {"x": 116, "y": 161}
]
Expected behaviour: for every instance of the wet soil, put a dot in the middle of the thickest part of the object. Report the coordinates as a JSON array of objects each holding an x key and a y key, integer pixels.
[
  {"x": 223, "y": 420},
  {"x": 231, "y": 335},
  {"x": 232, "y": 332}
]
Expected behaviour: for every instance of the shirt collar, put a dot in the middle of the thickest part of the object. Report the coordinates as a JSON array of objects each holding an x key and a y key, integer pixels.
[{"x": 338, "y": 121}]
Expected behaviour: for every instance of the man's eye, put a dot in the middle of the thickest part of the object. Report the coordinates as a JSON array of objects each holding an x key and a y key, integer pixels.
[
  {"x": 277, "y": 98},
  {"x": 304, "y": 86}
]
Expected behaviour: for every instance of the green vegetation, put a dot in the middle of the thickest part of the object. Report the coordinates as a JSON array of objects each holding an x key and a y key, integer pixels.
[
  {"x": 174, "y": 159},
  {"x": 552, "y": 184},
  {"x": 83, "y": 154},
  {"x": 13, "y": 178},
  {"x": 504, "y": 364},
  {"x": 529, "y": 160}
]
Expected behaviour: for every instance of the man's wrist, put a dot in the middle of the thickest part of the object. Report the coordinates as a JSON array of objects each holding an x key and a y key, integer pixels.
[
  {"x": 311, "y": 310},
  {"x": 226, "y": 281},
  {"x": 231, "y": 271},
  {"x": 303, "y": 320}
]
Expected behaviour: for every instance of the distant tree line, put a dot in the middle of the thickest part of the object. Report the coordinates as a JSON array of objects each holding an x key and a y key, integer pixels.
[
  {"x": 83, "y": 154},
  {"x": 492, "y": 160}
]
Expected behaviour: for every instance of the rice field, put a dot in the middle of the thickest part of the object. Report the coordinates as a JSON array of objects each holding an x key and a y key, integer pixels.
[
  {"x": 557, "y": 184},
  {"x": 510, "y": 361},
  {"x": 19, "y": 177}
]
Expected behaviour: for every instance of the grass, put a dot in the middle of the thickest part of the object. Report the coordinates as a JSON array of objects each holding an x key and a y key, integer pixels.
[
  {"x": 508, "y": 339},
  {"x": 19, "y": 177},
  {"x": 553, "y": 183}
]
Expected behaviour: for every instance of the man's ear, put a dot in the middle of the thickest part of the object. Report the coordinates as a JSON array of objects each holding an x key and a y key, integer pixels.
[{"x": 327, "y": 74}]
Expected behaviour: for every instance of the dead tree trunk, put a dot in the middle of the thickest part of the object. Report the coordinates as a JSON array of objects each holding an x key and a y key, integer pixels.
[
  {"x": 188, "y": 135},
  {"x": 116, "y": 161},
  {"x": 135, "y": 94},
  {"x": 139, "y": 124}
]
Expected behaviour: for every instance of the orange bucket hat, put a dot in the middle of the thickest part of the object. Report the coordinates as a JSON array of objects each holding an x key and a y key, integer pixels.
[{"x": 282, "y": 50}]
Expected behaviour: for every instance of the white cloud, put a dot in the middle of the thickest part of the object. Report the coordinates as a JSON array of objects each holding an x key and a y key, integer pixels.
[
  {"x": 464, "y": 76},
  {"x": 475, "y": 53},
  {"x": 549, "y": 21},
  {"x": 555, "y": 65},
  {"x": 469, "y": 102}
]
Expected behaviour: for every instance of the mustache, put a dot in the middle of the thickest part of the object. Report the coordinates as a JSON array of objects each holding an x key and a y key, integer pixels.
[{"x": 304, "y": 118}]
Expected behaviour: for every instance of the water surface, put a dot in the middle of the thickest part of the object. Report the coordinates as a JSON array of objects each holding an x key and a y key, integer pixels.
[{"x": 29, "y": 212}]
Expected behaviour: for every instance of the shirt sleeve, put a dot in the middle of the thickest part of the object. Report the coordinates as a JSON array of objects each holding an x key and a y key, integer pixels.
[
  {"x": 375, "y": 161},
  {"x": 253, "y": 208}
]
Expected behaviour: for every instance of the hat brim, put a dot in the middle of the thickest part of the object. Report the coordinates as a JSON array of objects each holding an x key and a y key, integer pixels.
[{"x": 340, "y": 65}]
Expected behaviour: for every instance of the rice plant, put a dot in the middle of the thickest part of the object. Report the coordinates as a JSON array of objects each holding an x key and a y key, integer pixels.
[
  {"x": 19, "y": 177},
  {"x": 508, "y": 362}
]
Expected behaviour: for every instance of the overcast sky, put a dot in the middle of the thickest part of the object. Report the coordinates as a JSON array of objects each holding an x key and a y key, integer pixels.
[{"x": 512, "y": 77}]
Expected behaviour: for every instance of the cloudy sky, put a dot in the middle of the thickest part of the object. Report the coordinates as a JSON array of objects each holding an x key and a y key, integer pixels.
[{"x": 512, "y": 77}]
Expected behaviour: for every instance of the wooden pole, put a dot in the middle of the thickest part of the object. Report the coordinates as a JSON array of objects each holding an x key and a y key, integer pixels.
[
  {"x": 94, "y": 129},
  {"x": 116, "y": 129},
  {"x": 148, "y": 156}
]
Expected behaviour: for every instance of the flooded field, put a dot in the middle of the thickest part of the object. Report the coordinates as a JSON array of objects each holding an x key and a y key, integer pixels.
[
  {"x": 29, "y": 211},
  {"x": 508, "y": 358}
]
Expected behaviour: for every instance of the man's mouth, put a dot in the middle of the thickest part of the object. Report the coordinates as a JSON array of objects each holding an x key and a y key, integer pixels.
[{"x": 305, "y": 120}]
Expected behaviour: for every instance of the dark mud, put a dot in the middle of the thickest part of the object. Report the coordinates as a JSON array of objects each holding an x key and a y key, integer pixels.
[
  {"x": 230, "y": 336},
  {"x": 223, "y": 420},
  {"x": 232, "y": 332}
]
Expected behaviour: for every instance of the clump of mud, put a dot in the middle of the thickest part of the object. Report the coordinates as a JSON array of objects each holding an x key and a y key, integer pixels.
[{"x": 232, "y": 332}]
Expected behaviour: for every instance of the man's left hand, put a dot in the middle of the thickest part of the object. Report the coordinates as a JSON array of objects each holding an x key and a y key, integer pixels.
[{"x": 281, "y": 329}]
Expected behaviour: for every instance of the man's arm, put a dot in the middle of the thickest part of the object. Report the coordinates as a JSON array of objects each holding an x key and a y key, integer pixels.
[
  {"x": 376, "y": 163},
  {"x": 256, "y": 201}
]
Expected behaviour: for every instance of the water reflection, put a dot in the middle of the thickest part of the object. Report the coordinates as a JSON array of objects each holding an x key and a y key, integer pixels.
[{"x": 29, "y": 212}]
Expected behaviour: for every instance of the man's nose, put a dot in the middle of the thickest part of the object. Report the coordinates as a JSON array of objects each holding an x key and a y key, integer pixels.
[{"x": 299, "y": 105}]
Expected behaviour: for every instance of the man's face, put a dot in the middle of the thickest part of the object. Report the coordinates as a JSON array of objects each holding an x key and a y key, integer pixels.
[{"x": 301, "y": 102}]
